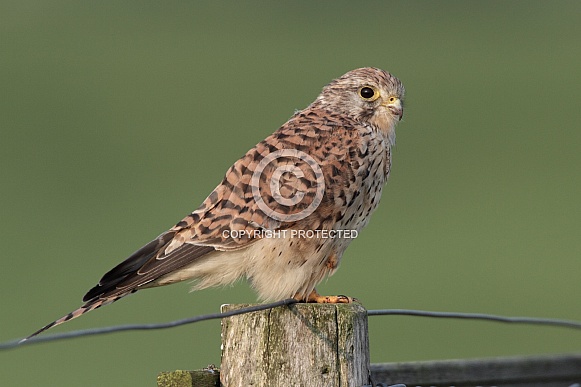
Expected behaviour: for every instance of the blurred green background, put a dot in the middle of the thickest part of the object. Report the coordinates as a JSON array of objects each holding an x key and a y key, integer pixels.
[{"x": 118, "y": 118}]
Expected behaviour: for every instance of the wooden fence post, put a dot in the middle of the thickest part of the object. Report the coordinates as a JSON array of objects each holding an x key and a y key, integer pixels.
[
  {"x": 199, "y": 378},
  {"x": 297, "y": 345},
  {"x": 327, "y": 345}
]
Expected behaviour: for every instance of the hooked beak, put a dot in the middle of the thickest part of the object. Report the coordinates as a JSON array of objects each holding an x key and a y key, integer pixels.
[{"x": 395, "y": 108}]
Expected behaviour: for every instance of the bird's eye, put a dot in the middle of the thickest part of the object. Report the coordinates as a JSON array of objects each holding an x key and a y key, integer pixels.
[
  {"x": 392, "y": 99},
  {"x": 368, "y": 93}
]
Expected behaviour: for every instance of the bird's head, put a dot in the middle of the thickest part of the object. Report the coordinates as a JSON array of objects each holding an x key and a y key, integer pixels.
[{"x": 368, "y": 95}]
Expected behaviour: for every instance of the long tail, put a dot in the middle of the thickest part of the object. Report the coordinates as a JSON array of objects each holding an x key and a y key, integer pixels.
[
  {"x": 141, "y": 268},
  {"x": 107, "y": 290},
  {"x": 86, "y": 308}
]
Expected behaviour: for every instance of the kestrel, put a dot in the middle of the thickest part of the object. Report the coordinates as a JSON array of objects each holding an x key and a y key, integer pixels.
[{"x": 286, "y": 211}]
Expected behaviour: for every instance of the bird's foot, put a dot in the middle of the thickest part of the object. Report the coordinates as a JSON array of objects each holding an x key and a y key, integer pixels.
[{"x": 315, "y": 297}]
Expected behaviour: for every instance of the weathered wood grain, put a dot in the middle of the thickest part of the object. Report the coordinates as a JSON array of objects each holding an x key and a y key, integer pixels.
[{"x": 299, "y": 345}]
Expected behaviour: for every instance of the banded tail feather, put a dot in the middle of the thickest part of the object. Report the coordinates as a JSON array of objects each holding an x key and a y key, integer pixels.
[
  {"x": 138, "y": 271},
  {"x": 86, "y": 308}
]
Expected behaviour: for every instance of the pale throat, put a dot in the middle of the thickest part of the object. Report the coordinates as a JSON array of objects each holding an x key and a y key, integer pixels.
[{"x": 385, "y": 123}]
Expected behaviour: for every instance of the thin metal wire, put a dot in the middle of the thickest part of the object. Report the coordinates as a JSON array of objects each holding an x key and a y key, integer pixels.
[
  {"x": 380, "y": 312},
  {"x": 139, "y": 327},
  {"x": 478, "y": 316}
]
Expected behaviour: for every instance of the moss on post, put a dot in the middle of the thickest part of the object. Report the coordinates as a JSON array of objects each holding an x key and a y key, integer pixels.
[
  {"x": 301, "y": 344},
  {"x": 188, "y": 379}
]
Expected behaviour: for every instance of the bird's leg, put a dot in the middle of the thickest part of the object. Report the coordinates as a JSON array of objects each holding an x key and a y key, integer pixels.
[{"x": 317, "y": 298}]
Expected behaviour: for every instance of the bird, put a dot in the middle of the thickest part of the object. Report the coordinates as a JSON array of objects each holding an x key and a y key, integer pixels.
[{"x": 286, "y": 211}]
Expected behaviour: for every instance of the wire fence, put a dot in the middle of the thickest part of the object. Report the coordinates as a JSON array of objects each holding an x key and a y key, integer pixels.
[{"x": 213, "y": 316}]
